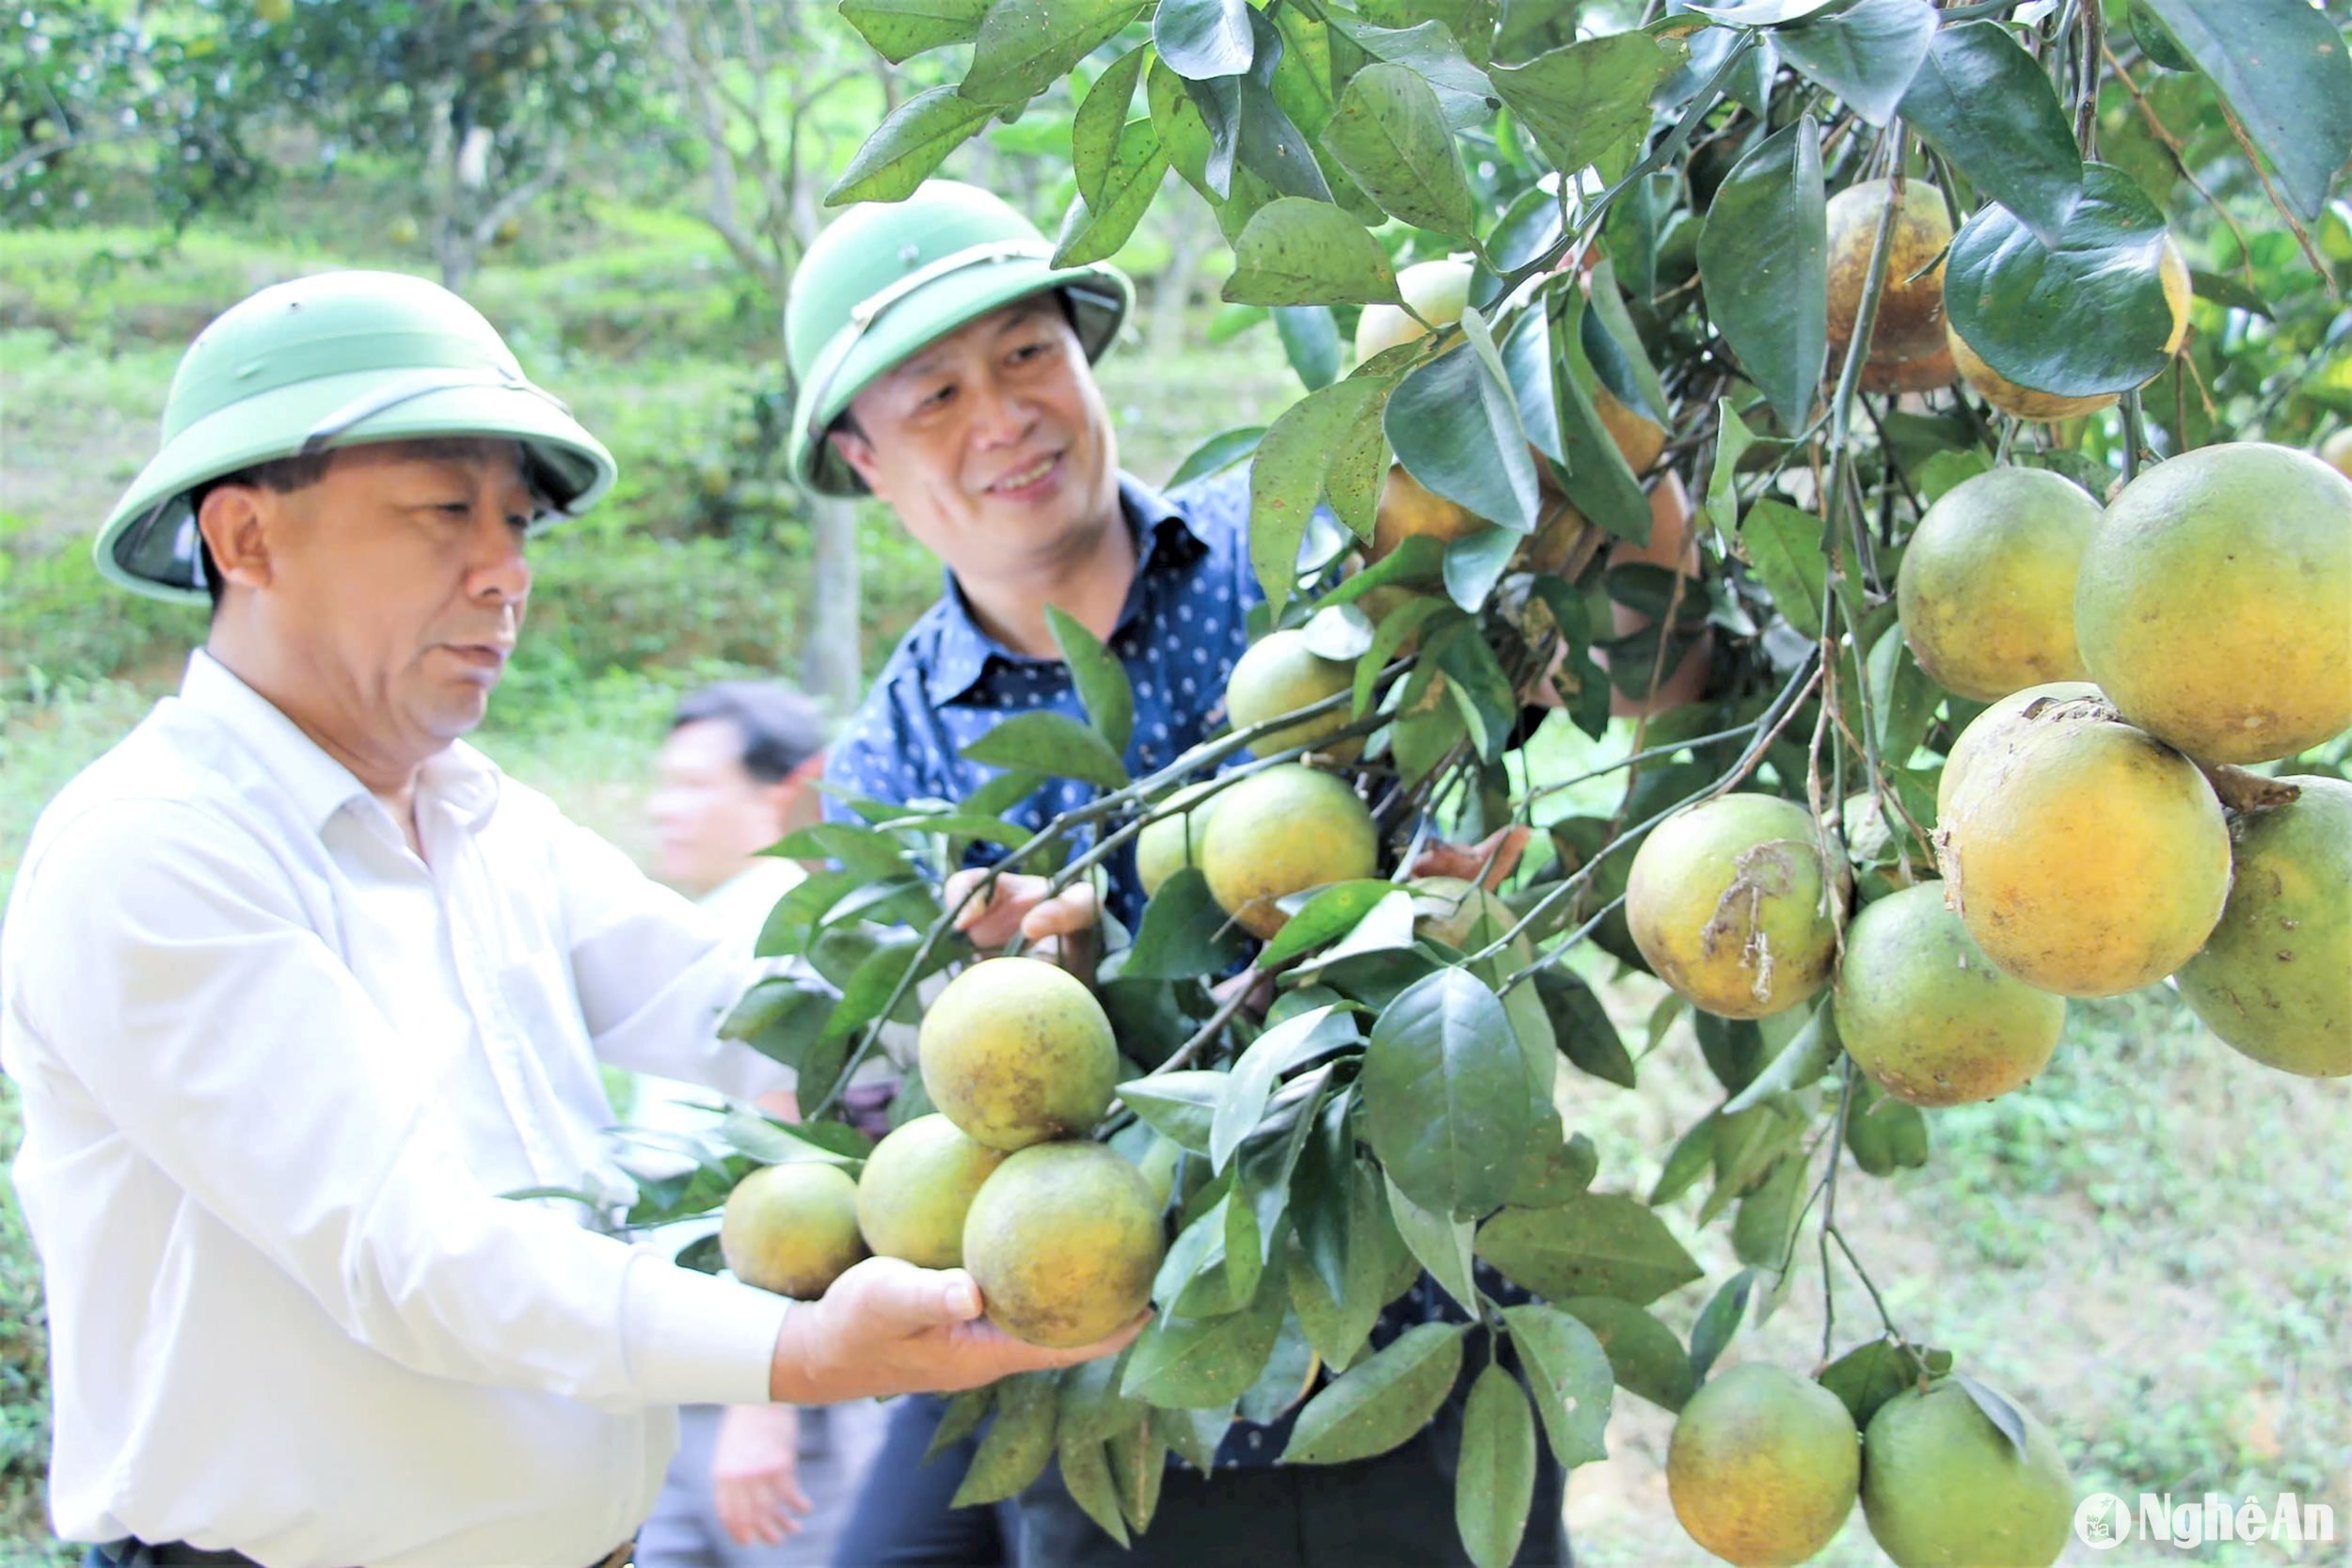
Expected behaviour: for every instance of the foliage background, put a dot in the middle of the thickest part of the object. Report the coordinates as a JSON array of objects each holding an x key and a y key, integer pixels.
[{"x": 2103, "y": 1207}]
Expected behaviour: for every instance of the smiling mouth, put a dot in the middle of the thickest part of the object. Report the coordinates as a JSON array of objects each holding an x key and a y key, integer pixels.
[{"x": 1031, "y": 475}]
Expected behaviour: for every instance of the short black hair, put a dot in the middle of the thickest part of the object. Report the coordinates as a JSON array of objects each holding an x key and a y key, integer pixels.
[{"x": 781, "y": 728}]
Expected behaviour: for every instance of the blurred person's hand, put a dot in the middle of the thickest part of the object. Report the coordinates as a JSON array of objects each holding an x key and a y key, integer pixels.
[
  {"x": 1490, "y": 860},
  {"x": 1016, "y": 905},
  {"x": 755, "y": 1473}
]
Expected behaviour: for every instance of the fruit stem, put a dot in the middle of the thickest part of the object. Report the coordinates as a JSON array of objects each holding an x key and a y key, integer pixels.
[
  {"x": 1829, "y": 1196},
  {"x": 2243, "y": 792}
]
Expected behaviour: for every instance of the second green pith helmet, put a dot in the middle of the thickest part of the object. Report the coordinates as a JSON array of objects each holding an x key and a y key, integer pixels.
[
  {"x": 888, "y": 278},
  {"x": 340, "y": 359}
]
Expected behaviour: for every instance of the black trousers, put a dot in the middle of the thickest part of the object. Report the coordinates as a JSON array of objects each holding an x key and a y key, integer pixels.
[{"x": 1394, "y": 1509}]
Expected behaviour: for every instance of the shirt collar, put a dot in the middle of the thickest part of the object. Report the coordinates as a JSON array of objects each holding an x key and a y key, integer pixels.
[
  {"x": 460, "y": 778},
  {"x": 1165, "y": 536}
]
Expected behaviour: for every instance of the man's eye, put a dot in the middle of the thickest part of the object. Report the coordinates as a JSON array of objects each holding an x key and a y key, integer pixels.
[
  {"x": 1028, "y": 351},
  {"x": 938, "y": 399}
]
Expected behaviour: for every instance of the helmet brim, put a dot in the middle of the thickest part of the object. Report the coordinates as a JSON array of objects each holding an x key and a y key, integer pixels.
[
  {"x": 1100, "y": 297},
  {"x": 150, "y": 545}
]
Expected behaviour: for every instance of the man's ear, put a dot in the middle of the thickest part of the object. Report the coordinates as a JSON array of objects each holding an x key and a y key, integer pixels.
[
  {"x": 235, "y": 524},
  {"x": 858, "y": 452}
]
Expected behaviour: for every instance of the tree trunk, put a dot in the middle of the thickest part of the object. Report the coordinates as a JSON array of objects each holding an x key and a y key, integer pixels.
[
  {"x": 1171, "y": 297},
  {"x": 832, "y": 665}
]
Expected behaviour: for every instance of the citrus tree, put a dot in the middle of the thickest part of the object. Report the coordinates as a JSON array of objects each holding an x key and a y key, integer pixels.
[{"x": 1818, "y": 384}]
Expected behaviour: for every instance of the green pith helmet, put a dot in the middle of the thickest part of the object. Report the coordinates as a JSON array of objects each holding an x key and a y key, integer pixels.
[
  {"x": 888, "y": 278},
  {"x": 341, "y": 359}
]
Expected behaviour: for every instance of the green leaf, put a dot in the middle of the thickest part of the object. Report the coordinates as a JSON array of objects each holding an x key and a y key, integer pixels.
[
  {"x": 1884, "y": 1133},
  {"x": 1455, "y": 427},
  {"x": 961, "y": 1420},
  {"x": 1441, "y": 1244},
  {"x": 1204, "y": 39},
  {"x": 1050, "y": 743},
  {"x": 1018, "y": 1444},
  {"x": 1763, "y": 257},
  {"x": 2085, "y": 316},
  {"x": 1644, "y": 1354},
  {"x": 1139, "y": 1465},
  {"x": 1390, "y": 135},
  {"x": 1096, "y": 128},
  {"x": 1310, "y": 341},
  {"x": 1290, "y": 1043},
  {"x": 906, "y": 147},
  {"x": 1183, "y": 934},
  {"x": 1528, "y": 228},
  {"x": 1494, "y": 1484},
  {"x": 1986, "y": 104},
  {"x": 1288, "y": 1368},
  {"x": 1085, "y": 1475},
  {"x": 869, "y": 986},
  {"x": 1589, "y": 103},
  {"x": 1336, "y": 1329},
  {"x": 1997, "y": 1409},
  {"x": 1570, "y": 1374},
  {"x": 2281, "y": 65},
  {"x": 1296, "y": 251},
  {"x": 1217, "y": 453},
  {"x": 1288, "y": 476},
  {"x": 1867, "y": 55},
  {"x": 1477, "y": 684},
  {"x": 1091, "y": 230},
  {"x": 1381, "y": 1403},
  {"x": 902, "y": 29},
  {"x": 1193, "y": 1280},
  {"x": 1747, "y": 1145},
  {"x": 1268, "y": 145},
  {"x": 1182, "y": 1105},
  {"x": 1100, "y": 679},
  {"x": 1732, "y": 439},
  {"x": 1718, "y": 1321},
  {"x": 1812, "y": 1052},
  {"x": 1597, "y": 480},
  {"x": 1445, "y": 1094},
  {"x": 1582, "y": 1027},
  {"x": 1193, "y": 1435},
  {"x": 1025, "y": 46},
  {"x": 1327, "y": 916},
  {"x": 1869, "y": 1374},
  {"x": 1784, "y": 545},
  {"x": 1199, "y": 1363},
  {"x": 1466, "y": 94},
  {"x": 1091, "y": 1408},
  {"x": 1688, "y": 1160},
  {"x": 1599, "y": 1244},
  {"x": 1302, "y": 79}
]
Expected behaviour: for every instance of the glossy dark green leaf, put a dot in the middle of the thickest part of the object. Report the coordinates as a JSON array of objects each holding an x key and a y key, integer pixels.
[
  {"x": 1050, "y": 743},
  {"x": 902, "y": 29},
  {"x": 1582, "y": 1027},
  {"x": 904, "y": 149},
  {"x": 1589, "y": 103},
  {"x": 1270, "y": 145},
  {"x": 1601, "y": 1244},
  {"x": 1025, "y": 46},
  {"x": 1203, "y": 39},
  {"x": 1199, "y": 1363},
  {"x": 2085, "y": 316},
  {"x": 1217, "y": 455},
  {"x": 1549, "y": 355},
  {"x": 1718, "y": 1321},
  {"x": 1528, "y": 228},
  {"x": 1183, "y": 934},
  {"x": 2282, "y": 66},
  {"x": 1873, "y": 1372},
  {"x": 1866, "y": 55},
  {"x": 1288, "y": 475},
  {"x": 869, "y": 988},
  {"x": 1296, "y": 251},
  {"x": 1986, "y": 104},
  {"x": 1445, "y": 1095},
  {"x": 1017, "y": 1445},
  {"x": 1095, "y": 129},
  {"x": 1182, "y": 1105},
  {"x": 1429, "y": 48},
  {"x": 1885, "y": 1135},
  {"x": 1440, "y": 1241},
  {"x": 1193, "y": 1280},
  {"x": 1644, "y": 1354},
  {"x": 1477, "y": 685},
  {"x": 1286, "y": 1045},
  {"x": 1764, "y": 258},
  {"x": 1784, "y": 546},
  {"x": 1390, "y": 135},
  {"x": 1571, "y": 1377},
  {"x": 1311, "y": 342},
  {"x": 1382, "y": 1401},
  {"x": 1337, "y": 1330},
  {"x": 871, "y": 855},
  {"x": 1290, "y": 1368},
  {"x": 1100, "y": 679},
  {"x": 1494, "y": 1483},
  {"x": 1455, "y": 426},
  {"x": 1091, "y": 230},
  {"x": 1799, "y": 1064},
  {"x": 1327, "y": 915}
]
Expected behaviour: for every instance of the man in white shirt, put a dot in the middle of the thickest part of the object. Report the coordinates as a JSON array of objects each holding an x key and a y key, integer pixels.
[{"x": 295, "y": 983}]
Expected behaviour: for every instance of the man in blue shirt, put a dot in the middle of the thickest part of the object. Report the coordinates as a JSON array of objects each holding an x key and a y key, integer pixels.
[{"x": 943, "y": 365}]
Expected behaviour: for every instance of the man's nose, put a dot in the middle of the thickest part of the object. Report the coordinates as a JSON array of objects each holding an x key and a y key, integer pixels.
[
  {"x": 499, "y": 568},
  {"x": 1002, "y": 415}
]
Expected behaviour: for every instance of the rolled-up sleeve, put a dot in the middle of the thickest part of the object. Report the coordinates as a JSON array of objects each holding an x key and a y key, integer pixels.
[{"x": 184, "y": 991}]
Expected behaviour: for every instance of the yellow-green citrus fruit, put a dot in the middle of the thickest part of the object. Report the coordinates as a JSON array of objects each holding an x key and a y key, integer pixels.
[
  {"x": 916, "y": 1187},
  {"x": 792, "y": 1229},
  {"x": 2337, "y": 452},
  {"x": 1928, "y": 1015},
  {"x": 2024, "y": 403},
  {"x": 1409, "y": 510},
  {"x": 2214, "y": 605},
  {"x": 2085, "y": 856},
  {"x": 1942, "y": 1488},
  {"x": 1278, "y": 675},
  {"x": 1015, "y": 1051},
  {"x": 1168, "y": 844},
  {"x": 1763, "y": 1467},
  {"x": 1727, "y": 902},
  {"x": 1995, "y": 728},
  {"x": 1918, "y": 372},
  {"x": 1987, "y": 586},
  {"x": 1438, "y": 290},
  {"x": 1909, "y": 322},
  {"x": 2275, "y": 978},
  {"x": 1063, "y": 1240},
  {"x": 1282, "y": 831}
]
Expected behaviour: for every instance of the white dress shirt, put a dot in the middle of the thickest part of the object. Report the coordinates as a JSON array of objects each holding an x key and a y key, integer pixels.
[{"x": 276, "y": 1069}]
